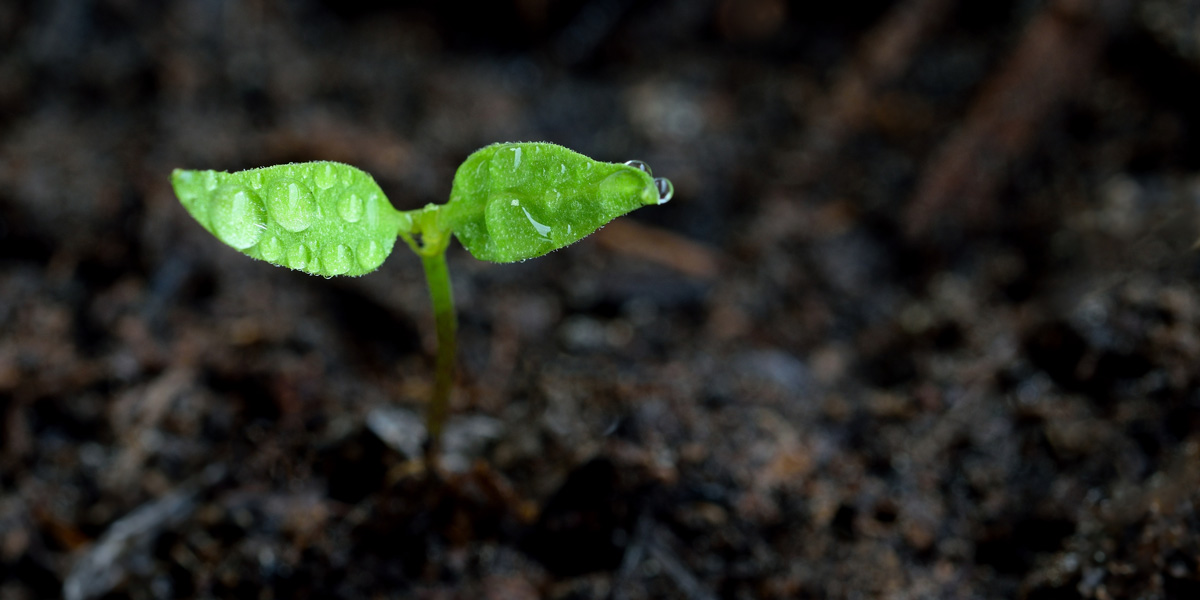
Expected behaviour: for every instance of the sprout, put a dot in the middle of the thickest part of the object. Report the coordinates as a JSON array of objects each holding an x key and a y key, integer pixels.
[{"x": 509, "y": 202}]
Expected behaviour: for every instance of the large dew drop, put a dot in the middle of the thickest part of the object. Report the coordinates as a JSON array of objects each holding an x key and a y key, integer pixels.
[
  {"x": 666, "y": 190},
  {"x": 238, "y": 218},
  {"x": 337, "y": 259},
  {"x": 291, "y": 204}
]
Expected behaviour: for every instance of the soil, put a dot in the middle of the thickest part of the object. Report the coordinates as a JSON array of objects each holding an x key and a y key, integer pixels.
[{"x": 921, "y": 321}]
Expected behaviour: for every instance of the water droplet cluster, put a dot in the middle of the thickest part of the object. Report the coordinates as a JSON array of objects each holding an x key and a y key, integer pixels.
[
  {"x": 322, "y": 218},
  {"x": 662, "y": 185}
]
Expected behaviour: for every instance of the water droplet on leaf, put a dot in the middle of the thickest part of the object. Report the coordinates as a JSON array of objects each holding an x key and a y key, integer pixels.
[
  {"x": 665, "y": 189},
  {"x": 299, "y": 257},
  {"x": 542, "y": 230},
  {"x": 237, "y": 216},
  {"x": 351, "y": 208},
  {"x": 326, "y": 176},
  {"x": 370, "y": 254},
  {"x": 641, "y": 166},
  {"x": 337, "y": 259},
  {"x": 291, "y": 204},
  {"x": 271, "y": 250}
]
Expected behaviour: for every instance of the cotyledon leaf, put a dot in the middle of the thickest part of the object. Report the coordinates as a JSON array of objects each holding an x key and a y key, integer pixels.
[
  {"x": 323, "y": 218},
  {"x": 515, "y": 201}
]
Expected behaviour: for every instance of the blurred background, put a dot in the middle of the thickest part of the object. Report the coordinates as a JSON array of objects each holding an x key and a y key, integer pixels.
[{"x": 921, "y": 321}]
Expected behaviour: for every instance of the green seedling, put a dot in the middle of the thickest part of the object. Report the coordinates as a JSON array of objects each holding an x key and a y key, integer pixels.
[{"x": 509, "y": 202}]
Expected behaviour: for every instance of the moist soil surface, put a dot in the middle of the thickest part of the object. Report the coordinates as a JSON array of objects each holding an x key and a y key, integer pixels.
[{"x": 921, "y": 321}]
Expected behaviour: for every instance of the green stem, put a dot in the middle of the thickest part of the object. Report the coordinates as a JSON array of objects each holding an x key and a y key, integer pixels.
[
  {"x": 446, "y": 322},
  {"x": 429, "y": 239}
]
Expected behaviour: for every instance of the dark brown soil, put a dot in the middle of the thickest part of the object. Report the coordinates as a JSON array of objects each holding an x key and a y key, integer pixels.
[{"x": 922, "y": 321}]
